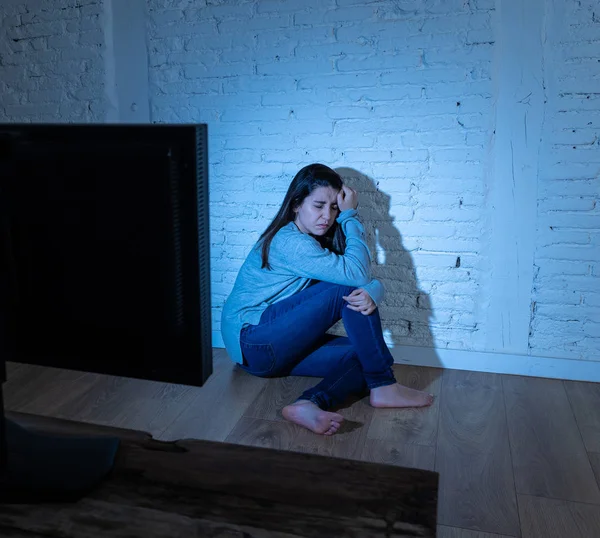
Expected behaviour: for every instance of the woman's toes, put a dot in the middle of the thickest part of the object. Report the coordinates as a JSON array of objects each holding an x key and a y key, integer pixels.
[{"x": 333, "y": 428}]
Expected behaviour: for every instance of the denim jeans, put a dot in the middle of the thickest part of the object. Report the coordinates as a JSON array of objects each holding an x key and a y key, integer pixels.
[{"x": 291, "y": 339}]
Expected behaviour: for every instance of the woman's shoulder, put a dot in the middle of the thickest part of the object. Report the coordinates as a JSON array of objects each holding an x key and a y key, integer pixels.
[
  {"x": 289, "y": 243},
  {"x": 290, "y": 234}
]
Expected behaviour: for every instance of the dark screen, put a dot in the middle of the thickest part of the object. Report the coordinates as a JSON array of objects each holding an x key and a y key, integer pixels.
[{"x": 104, "y": 247}]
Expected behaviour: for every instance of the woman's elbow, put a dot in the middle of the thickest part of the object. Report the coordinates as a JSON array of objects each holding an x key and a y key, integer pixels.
[{"x": 362, "y": 280}]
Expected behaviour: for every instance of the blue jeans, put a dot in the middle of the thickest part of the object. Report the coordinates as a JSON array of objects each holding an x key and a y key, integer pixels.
[{"x": 291, "y": 339}]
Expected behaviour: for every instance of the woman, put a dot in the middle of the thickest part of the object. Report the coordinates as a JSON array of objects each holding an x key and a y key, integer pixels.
[{"x": 310, "y": 268}]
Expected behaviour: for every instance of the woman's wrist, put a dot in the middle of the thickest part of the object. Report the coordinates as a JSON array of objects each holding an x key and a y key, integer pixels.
[{"x": 346, "y": 214}]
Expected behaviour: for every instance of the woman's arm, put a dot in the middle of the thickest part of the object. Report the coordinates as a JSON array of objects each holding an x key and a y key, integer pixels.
[{"x": 301, "y": 255}]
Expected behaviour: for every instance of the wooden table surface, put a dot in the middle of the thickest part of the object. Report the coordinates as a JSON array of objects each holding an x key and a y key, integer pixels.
[{"x": 212, "y": 489}]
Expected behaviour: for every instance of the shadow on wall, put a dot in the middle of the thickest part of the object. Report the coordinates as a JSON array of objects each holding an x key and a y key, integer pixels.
[{"x": 406, "y": 310}]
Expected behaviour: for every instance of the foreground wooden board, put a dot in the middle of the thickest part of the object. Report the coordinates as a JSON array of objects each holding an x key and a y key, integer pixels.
[{"x": 204, "y": 488}]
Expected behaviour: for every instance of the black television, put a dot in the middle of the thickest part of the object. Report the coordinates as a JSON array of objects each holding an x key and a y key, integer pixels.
[{"x": 104, "y": 250}]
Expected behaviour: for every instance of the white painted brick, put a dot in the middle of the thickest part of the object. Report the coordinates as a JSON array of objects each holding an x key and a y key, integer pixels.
[
  {"x": 570, "y": 120},
  {"x": 426, "y": 75},
  {"x": 477, "y": 138},
  {"x": 559, "y": 237},
  {"x": 570, "y": 187},
  {"x": 296, "y": 67},
  {"x": 349, "y": 80},
  {"x": 166, "y": 16},
  {"x": 582, "y": 221},
  {"x": 433, "y": 186},
  {"x": 455, "y": 170},
  {"x": 320, "y": 50},
  {"x": 447, "y": 138},
  {"x": 483, "y": 4},
  {"x": 560, "y": 297},
  {"x": 256, "y": 23},
  {"x": 572, "y": 171},
  {"x": 450, "y": 22},
  {"x": 29, "y": 110},
  {"x": 55, "y": 27},
  {"x": 350, "y": 14},
  {"x": 282, "y": 6},
  {"x": 444, "y": 89},
  {"x": 592, "y": 299},
  {"x": 44, "y": 96},
  {"x": 396, "y": 171},
  {"x": 267, "y": 142},
  {"x": 259, "y": 84},
  {"x": 377, "y": 62},
  {"x": 576, "y": 137},
  {"x": 302, "y": 36},
  {"x": 202, "y": 28},
  {"x": 62, "y": 41},
  {"x": 579, "y": 33},
  {"x": 92, "y": 37},
  {"x": 576, "y": 253},
  {"x": 567, "y": 203},
  {"x": 24, "y": 58},
  {"x": 235, "y": 114},
  {"x": 222, "y": 70},
  {"x": 576, "y": 154},
  {"x": 463, "y": 155},
  {"x": 81, "y": 54}
]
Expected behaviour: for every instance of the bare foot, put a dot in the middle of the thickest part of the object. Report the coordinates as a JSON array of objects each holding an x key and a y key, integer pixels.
[
  {"x": 310, "y": 416},
  {"x": 397, "y": 395}
]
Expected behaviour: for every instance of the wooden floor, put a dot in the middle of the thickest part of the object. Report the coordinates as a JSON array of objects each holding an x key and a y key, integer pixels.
[{"x": 517, "y": 456}]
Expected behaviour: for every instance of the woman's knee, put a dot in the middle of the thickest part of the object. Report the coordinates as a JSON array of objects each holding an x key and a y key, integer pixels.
[{"x": 344, "y": 289}]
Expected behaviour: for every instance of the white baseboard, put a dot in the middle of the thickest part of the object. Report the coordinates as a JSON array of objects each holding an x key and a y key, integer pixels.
[{"x": 497, "y": 363}]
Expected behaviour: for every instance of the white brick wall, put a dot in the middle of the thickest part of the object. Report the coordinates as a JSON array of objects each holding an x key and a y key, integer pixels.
[
  {"x": 565, "y": 319},
  {"x": 392, "y": 93},
  {"x": 51, "y": 65},
  {"x": 414, "y": 101},
  {"x": 404, "y": 96}
]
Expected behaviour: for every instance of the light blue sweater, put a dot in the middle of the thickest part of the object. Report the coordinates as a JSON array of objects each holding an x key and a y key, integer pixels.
[{"x": 296, "y": 259}]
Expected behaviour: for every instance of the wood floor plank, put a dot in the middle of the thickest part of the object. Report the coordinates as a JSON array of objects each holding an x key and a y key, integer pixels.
[
  {"x": 12, "y": 367},
  {"x": 587, "y": 519},
  {"x": 278, "y": 393},
  {"x": 595, "y": 461},
  {"x": 163, "y": 403},
  {"x": 473, "y": 455},
  {"x": 585, "y": 402},
  {"x": 101, "y": 399},
  {"x": 549, "y": 458},
  {"x": 454, "y": 532},
  {"x": 348, "y": 441},
  {"x": 45, "y": 391},
  {"x": 154, "y": 412},
  {"x": 411, "y": 426},
  {"x": 109, "y": 400},
  {"x": 553, "y": 518},
  {"x": 263, "y": 433},
  {"x": 404, "y": 455},
  {"x": 217, "y": 406}
]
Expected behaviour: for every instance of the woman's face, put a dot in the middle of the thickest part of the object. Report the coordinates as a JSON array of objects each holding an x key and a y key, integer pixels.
[{"x": 318, "y": 211}]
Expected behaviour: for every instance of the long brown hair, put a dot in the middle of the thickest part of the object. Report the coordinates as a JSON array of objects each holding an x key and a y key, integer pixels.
[{"x": 305, "y": 182}]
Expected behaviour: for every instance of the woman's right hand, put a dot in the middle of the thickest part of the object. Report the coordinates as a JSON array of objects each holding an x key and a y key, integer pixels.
[{"x": 347, "y": 198}]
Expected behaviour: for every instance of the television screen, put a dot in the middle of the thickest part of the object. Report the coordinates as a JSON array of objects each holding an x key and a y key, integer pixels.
[{"x": 105, "y": 248}]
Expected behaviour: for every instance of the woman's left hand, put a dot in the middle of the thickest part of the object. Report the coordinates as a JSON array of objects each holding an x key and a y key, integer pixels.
[{"x": 360, "y": 301}]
